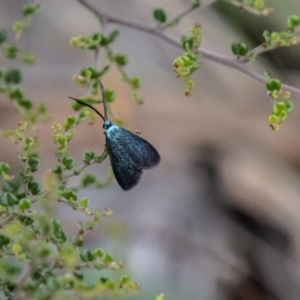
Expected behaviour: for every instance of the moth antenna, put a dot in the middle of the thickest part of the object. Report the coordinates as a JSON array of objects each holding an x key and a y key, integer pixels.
[
  {"x": 103, "y": 99},
  {"x": 91, "y": 107}
]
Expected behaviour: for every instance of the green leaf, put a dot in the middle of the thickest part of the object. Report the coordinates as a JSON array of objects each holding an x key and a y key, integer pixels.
[
  {"x": 87, "y": 255},
  {"x": 84, "y": 202},
  {"x": 87, "y": 180},
  {"x": 239, "y": 48},
  {"x": 136, "y": 82},
  {"x": 34, "y": 164},
  {"x": 29, "y": 9},
  {"x": 70, "y": 195},
  {"x": 26, "y": 176},
  {"x": 4, "y": 168},
  {"x": 273, "y": 85},
  {"x": 293, "y": 21},
  {"x": 78, "y": 275},
  {"x": 13, "y": 76},
  {"x": 3, "y": 36},
  {"x": 57, "y": 170},
  {"x": 289, "y": 106},
  {"x": 113, "y": 35},
  {"x": 121, "y": 59},
  {"x": 11, "y": 51},
  {"x": 18, "y": 27},
  {"x": 104, "y": 70},
  {"x": 8, "y": 199},
  {"x": 107, "y": 258},
  {"x": 60, "y": 154},
  {"x": 4, "y": 240},
  {"x": 110, "y": 95},
  {"x": 27, "y": 221},
  {"x": 196, "y": 3},
  {"x": 88, "y": 156},
  {"x": 68, "y": 162},
  {"x": 34, "y": 187},
  {"x": 24, "y": 204},
  {"x": 69, "y": 122},
  {"x": 160, "y": 15}
]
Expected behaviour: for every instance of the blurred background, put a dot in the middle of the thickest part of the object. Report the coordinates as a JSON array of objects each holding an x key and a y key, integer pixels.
[{"x": 219, "y": 217}]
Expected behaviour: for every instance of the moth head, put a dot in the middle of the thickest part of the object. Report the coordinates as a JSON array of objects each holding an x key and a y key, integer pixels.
[{"x": 106, "y": 124}]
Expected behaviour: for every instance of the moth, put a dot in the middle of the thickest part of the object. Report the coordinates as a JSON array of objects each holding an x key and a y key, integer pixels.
[{"x": 129, "y": 153}]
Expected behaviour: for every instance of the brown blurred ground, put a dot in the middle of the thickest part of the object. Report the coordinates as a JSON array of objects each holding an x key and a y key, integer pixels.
[{"x": 184, "y": 230}]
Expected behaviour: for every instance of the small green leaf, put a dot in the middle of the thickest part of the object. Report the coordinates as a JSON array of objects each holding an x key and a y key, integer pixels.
[
  {"x": 60, "y": 236},
  {"x": 110, "y": 95},
  {"x": 78, "y": 275},
  {"x": 107, "y": 258},
  {"x": 136, "y": 82},
  {"x": 16, "y": 93},
  {"x": 88, "y": 156},
  {"x": 68, "y": 162},
  {"x": 60, "y": 154},
  {"x": 289, "y": 106},
  {"x": 8, "y": 199},
  {"x": 273, "y": 85},
  {"x": 239, "y": 48},
  {"x": 69, "y": 122},
  {"x": 57, "y": 170},
  {"x": 113, "y": 36},
  {"x": 80, "y": 242},
  {"x": 4, "y": 168},
  {"x": 259, "y": 4},
  {"x": 87, "y": 255},
  {"x": 26, "y": 176},
  {"x": 11, "y": 51},
  {"x": 98, "y": 252},
  {"x": 87, "y": 180},
  {"x": 196, "y": 3},
  {"x": 56, "y": 224},
  {"x": 29, "y": 9},
  {"x": 4, "y": 240},
  {"x": 18, "y": 27},
  {"x": 70, "y": 195},
  {"x": 160, "y": 15},
  {"x": 121, "y": 59},
  {"x": 13, "y": 76},
  {"x": 29, "y": 142},
  {"x": 124, "y": 280},
  {"x": 293, "y": 21},
  {"x": 62, "y": 142},
  {"x": 34, "y": 187},
  {"x": 27, "y": 221},
  {"x": 84, "y": 202},
  {"x": 24, "y": 204},
  {"x": 34, "y": 164},
  {"x": 25, "y": 103},
  {"x": 42, "y": 109},
  {"x": 3, "y": 36}
]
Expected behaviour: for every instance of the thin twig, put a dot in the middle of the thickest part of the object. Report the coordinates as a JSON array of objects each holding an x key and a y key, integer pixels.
[
  {"x": 77, "y": 171},
  {"x": 179, "y": 16},
  {"x": 75, "y": 206},
  {"x": 22, "y": 281},
  {"x": 215, "y": 57},
  {"x": 257, "y": 12},
  {"x": 7, "y": 220}
]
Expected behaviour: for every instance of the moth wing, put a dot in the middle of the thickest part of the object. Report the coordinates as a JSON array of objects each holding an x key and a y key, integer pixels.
[
  {"x": 141, "y": 152},
  {"x": 126, "y": 172}
]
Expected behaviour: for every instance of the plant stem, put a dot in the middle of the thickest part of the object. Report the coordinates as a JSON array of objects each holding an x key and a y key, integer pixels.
[
  {"x": 177, "y": 17},
  {"x": 6, "y": 220},
  {"x": 215, "y": 57}
]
